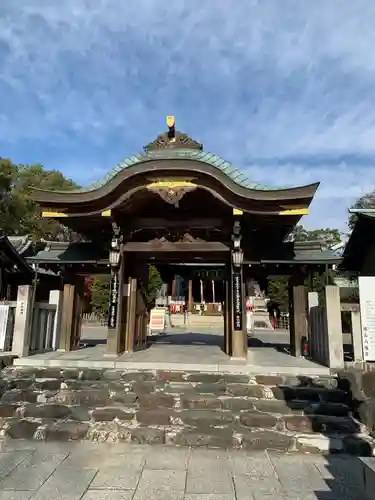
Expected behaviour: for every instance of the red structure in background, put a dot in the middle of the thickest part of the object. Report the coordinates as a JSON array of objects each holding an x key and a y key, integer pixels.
[{"x": 87, "y": 285}]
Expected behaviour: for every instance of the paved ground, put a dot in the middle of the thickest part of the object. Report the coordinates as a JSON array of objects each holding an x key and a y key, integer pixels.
[
  {"x": 182, "y": 351},
  {"x": 260, "y": 337},
  {"x": 263, "y": 336},
  {"x": 129, "y": 472}
]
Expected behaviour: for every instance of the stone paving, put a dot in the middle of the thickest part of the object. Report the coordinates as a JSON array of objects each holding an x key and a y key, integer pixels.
[
  {"x": 87, "y": 471},
  {"x": 182, "y": 351}
]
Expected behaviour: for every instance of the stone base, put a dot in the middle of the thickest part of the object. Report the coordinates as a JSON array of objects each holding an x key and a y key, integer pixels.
[{"x": 219, "y": 410}]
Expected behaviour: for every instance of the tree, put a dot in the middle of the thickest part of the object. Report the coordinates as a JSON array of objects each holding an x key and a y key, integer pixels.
[
  {"x": 154, "y": 283},
  {"x": 99, "y": 293},
  {"x": 8, "y": 219},
  {"x": 277, "y": 290},
  {"x": 328, "y": 235},
  {"x": 365, "y": 201},
  {"x": 18, "y": 213}
]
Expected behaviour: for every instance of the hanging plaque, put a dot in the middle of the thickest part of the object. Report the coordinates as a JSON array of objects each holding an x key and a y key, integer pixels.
[{"x": 237, "y": 302}]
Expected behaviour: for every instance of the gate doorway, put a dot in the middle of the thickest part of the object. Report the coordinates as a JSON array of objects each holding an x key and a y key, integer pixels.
[{"x": 176, "y": 203}]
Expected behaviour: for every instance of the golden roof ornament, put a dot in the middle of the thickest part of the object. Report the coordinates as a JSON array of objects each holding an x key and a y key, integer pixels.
[{"x": 172, "y": 139}]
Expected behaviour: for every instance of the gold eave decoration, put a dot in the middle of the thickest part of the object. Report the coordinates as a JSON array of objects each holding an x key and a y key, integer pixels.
[
  {"x": 172, "y": 191},
  {"x": 172, "y": 184},
  {"x": 49, "y": 213},
  {"x": 294, "y": 211}
]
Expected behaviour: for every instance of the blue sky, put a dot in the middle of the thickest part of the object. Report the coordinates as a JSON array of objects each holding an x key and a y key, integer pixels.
[{"x": 284, "y": 89}]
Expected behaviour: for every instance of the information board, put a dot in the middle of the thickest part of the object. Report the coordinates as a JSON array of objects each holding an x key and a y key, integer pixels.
[
  {"x": 157, "y": 319},
  {"x": 367, "y": 306}
]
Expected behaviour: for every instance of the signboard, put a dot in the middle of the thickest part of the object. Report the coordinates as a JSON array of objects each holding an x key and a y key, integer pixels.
[
  {"x": 4, "y": 314},
  {"x": 367, "y": 305},
  {"x": 157, "y": 319},
  {"x": 237, "y": 302},
  {"x": 113, "y": 305}
]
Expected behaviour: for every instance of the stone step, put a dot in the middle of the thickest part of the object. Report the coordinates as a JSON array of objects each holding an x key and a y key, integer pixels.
[
  {"x": 198, "y": 319},
  {"x": 369, "y": 476},
  {"x": 182, "y": 408}
]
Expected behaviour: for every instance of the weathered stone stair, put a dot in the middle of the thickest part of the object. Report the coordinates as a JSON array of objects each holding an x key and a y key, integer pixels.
[{"x": 290, "y": 414}]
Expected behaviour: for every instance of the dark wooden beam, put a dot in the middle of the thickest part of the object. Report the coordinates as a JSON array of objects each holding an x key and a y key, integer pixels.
[
  {"x": 180, "y": 246},
  {"x": 161, "y": 223}
]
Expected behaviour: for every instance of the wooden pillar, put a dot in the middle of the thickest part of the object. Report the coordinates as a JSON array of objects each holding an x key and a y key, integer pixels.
[
  {"x": 173, "y": 291},
  {"x": 56, "y": 298},
  {"x": 131, "y": 315},
  {"x": 190, "y": 296},
  {"x": 67, "y": 320},
  {"x": 141, "y": 307},
  {"x": 77, "y": 311},
  {"x": 297, "y": 314}
]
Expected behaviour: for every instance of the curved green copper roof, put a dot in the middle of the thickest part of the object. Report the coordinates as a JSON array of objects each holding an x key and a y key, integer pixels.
[{"x": 201, "y": 156}]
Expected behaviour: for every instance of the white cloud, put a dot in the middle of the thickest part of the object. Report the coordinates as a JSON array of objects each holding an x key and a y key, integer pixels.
[{"x": 340, "y": 186}]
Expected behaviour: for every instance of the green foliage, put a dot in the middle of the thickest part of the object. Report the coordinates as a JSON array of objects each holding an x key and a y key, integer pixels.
[
  {"x": 154, "y": 283},
  {"x": 365, "y": 201},
  {"x": 328, "y": 236},
  {"x": 277, "y": 290},
  {"x": 99, "y": 293},
  {"x": 18, "y": 213}
]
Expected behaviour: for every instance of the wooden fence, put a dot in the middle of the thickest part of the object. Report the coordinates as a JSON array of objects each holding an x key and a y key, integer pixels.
[
  {"x": 318, "y": 335},
  {"x": 7, "y": 316},
  {"x": 42, "y": 328}
]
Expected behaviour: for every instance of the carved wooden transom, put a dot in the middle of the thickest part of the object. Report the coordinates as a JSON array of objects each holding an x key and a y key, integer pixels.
[
  {"x": 172, "y": 195},
  {"x": 177, "y": 237}
]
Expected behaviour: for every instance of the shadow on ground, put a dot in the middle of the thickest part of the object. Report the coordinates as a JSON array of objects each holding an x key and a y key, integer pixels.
[
  {"x": 188, "y": 338},
  {"x": 92, "y": 342},
  {"x": 194, "y": 338},
  {"x": 254, "y": 341}
]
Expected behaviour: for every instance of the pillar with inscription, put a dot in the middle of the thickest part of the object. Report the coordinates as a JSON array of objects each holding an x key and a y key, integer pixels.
[
  {"x": 114, "y": 312},
  {"x": 238, "y": 326}
]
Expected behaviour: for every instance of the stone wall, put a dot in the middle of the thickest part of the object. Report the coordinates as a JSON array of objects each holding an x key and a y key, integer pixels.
[
  {"x": 219, "y": 410},
  {"x": 359, "y": 380}
]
